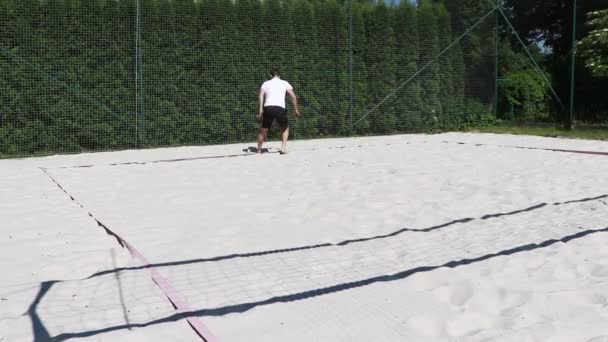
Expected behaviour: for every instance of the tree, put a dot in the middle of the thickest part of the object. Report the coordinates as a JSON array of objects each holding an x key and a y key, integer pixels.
[
  {"x": 381, "y": 68},
  {"x": 361, "y": 102},
  {"x": 477, "y": 46},
  {"x": 429, "y": 49},
  {"x": 71, "y": 83},
  {"x": 523, "y": 92},
  {"x": 330, "y": 19},
  {"x": 527, "y": 94},
  {"x": 549, "y": 23},
  {"x": 594, "y": 48},
  {"x": 452, "y": 71},
  {"x": 408, "y": 103},
  {"x": 248, "y": 64},
  {"x": 303, "y": 75}
]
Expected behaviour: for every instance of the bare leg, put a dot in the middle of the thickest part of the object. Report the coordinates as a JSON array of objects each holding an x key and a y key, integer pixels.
[
  {"x": 284, "y": 137},
  {"x": 261, "y": 136}
]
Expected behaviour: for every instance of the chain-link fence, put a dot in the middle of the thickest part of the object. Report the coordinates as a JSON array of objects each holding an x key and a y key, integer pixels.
[{"x": 88, "y": 75}]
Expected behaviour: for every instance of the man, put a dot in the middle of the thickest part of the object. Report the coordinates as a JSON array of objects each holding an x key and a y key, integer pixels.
[{"x": 272, "y": 107}]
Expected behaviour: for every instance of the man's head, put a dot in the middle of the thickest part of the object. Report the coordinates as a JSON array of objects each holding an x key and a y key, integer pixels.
[{"x": 274, "y": 71}]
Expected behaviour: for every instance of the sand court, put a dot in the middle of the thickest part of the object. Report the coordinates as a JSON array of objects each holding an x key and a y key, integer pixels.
[{"x": 450, "y": 237}]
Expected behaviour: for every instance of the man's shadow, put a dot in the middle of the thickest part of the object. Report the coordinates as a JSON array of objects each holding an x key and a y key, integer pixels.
[{"x": 253, "y": 149}]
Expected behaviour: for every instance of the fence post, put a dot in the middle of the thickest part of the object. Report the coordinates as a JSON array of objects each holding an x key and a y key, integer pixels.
[
  {"x": 573, "y": 67},
  {"x": 496, "y": 49},
  {"x": 350, "y": 65},
  {"x": 139, "y": 99}
]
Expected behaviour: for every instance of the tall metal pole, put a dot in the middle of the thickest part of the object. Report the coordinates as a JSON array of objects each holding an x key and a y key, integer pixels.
[
  {"x": 350, "y": 64},
  {"x": 142, "y": 112},
  {"x": 137, "y": 133},
  {"x": 496, "y": 62},
  {"x": 573, "y": 73},
  {"x": 139, "y": 78}
]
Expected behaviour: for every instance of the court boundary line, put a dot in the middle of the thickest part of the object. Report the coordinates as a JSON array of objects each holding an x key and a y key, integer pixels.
[
  {"x": 245, "y": 154},
  {"x": 224, "y": 156},
  {"x": 597, "y": 153},
  {"x": 172, "y": 295}
]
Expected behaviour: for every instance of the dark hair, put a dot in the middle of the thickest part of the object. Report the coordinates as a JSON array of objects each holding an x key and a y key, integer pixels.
[{"x": 274, "y": 71}]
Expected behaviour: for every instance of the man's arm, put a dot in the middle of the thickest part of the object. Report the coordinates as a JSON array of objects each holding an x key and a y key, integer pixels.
[{"x": 294, "y": 101}]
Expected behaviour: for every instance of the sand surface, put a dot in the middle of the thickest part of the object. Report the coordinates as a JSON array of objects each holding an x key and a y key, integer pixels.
[{"x": 450, "y": 237}]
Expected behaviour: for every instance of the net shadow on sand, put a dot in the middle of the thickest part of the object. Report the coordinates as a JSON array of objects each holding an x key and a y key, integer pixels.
[
  {"x": 42, "y": 333},
  {"x": 353, "y": 241}
]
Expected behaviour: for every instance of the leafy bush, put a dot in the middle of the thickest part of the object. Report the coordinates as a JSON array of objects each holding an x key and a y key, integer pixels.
[
  {"x": 594, "y": 47},
  {"x": 477, "y": 115},
  {"x": 528, "y": 94}
]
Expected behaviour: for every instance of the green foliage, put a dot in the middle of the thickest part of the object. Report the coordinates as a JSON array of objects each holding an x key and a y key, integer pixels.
[
  {"x": 407, "y": 42},
  {"x": 523, "y": 93},
  {"x": 477, "y": 115},
  {"x": 452, "y": 73},
  {"x": 380, "y": 59},
  {"x": 478, "y": 46},
  {"x": 430, "y": 83},
  {"x": 68, "y": 69},
  {"x": 550, "y": 23},
  {"x": 594, "y": 47},
  {"x": 527, "y": 93}
]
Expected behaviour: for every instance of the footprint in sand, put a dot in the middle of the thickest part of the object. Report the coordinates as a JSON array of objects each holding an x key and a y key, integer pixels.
[
  {"x": 487, "y": 298},
  {"x": 462, "y": 292},
  {"x": 599, "y": 299},
  {"x": 391, "y": 255},
  {"x": 566, "y": 272},
  {"x": 522, "y": 317},
  {"x": 427, "y": 325},
  {"x": 581, "y": 298},
  {"x": 469, "y": 323},
  {"x": 457, "y": 293},
  {"x": 433, "y": 280},
  {"x": 599, "y": 339},
  {"x": 519, "y": 336},
  {"x": 230, "y": 230},
  {"x": 600, "y": 271}
]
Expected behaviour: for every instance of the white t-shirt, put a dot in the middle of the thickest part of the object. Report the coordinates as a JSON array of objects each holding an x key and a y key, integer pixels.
[{"x": 275, "y": 90}]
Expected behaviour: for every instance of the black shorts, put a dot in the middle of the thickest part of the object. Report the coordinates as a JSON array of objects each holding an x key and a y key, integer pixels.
[{"x": 275, "y": 112}]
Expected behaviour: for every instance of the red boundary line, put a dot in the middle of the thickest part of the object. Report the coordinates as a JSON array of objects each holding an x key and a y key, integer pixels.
[
  {"x": 582, "y": 152},
  {"x": 172, "y": 295}
]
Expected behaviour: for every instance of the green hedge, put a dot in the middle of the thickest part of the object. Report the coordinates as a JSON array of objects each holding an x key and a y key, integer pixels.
[{"x": 68, "y": 69}]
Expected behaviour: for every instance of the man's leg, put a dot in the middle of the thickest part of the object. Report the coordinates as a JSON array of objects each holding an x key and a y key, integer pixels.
[
  {"x": 261, "y": 136},
  {"x": 284, "y": 137}
]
